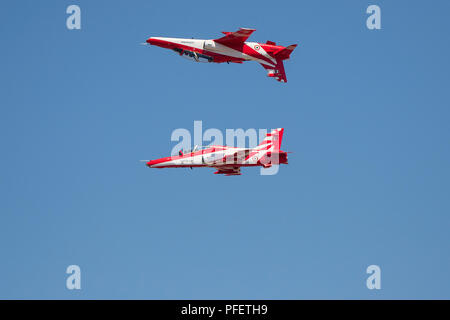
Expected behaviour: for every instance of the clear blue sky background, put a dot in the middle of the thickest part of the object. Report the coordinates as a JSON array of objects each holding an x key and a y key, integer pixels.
[{"x": 366, "y": 114}]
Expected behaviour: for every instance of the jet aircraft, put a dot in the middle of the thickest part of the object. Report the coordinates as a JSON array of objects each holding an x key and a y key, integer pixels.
[
  {"x": 228, "y": 160},
  {"x": 233, "y": 47}
]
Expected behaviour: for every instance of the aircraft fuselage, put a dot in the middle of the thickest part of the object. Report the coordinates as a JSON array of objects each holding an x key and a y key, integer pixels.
[{"x": 217, "y": 52}]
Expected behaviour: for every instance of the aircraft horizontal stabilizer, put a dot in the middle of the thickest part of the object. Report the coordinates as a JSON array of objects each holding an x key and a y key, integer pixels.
[{"x": 285, "y": 53}]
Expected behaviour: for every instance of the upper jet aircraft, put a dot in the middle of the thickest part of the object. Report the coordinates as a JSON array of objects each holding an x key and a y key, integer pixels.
[{"x": 233, "y": 47}]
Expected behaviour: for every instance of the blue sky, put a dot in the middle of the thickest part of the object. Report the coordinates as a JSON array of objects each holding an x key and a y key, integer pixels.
[{"x": 366, "y": 114}]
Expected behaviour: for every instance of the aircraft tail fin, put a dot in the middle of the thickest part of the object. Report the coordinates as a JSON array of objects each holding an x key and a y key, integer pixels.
[
  {"x": 285, "y": 53},
  {"x": 272, "y": 144},
  {"x": 272, "y": 141}
]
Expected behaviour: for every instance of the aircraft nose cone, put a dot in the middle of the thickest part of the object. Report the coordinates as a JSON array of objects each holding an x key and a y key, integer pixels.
[
  {"x": 154, "y": 42},
  {"x": 160, "y": 42},
  {"x": 153, "y": 163}
]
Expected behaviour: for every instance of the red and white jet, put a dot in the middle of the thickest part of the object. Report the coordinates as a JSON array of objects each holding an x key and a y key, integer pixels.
[
  {"x": 229, "y": 160},
  {"x": 231, "y": 48}
]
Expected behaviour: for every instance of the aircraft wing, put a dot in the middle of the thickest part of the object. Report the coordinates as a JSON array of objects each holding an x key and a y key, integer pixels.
[
  {"x": 228, "y": 171},
  {"x": 278, "y": 72},
  {"x": 235, "y": 38}
]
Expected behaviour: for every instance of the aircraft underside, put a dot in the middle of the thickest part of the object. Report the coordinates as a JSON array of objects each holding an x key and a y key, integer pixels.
[{"x": 207, "y": 56}]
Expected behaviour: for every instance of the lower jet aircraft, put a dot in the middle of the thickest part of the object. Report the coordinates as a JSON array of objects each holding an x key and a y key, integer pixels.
[
  {"x": 229, "y": 160},
  {"x": 233, "y": 47}
]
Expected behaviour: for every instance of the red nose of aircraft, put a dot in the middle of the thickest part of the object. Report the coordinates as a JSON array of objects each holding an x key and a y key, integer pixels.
[
  {"x": 158, "y": 163},
  {"x": 157, "y": 42},
  {"x": 152, "y": 163},
  {"x": 151, "y": 41}
]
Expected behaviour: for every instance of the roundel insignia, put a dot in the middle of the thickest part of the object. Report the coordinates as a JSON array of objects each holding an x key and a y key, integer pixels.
[
  {"x": 255, "y": 158},
  {"x": 257, "y": 47}
]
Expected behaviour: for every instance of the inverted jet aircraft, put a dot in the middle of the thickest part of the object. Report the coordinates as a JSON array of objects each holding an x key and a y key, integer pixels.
[
  {"x": 228, "y": 160},
  {"x": 233, "y": 47}
]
